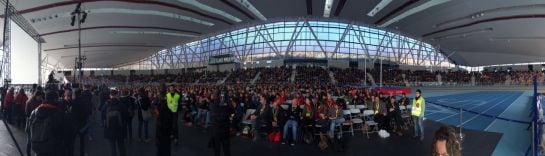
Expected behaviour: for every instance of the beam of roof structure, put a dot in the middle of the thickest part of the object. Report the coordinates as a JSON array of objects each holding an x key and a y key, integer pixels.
[
  {"x": 412, "y": 11},
  {"x": 327, "y": 7},
  {"x": 378, "y": 7},
  {"x": 207, "y": 8}
]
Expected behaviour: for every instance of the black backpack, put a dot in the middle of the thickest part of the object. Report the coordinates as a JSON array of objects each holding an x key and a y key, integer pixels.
[
  {"x": 114, "y": 117},
  {"x": 42, "y": 131}
]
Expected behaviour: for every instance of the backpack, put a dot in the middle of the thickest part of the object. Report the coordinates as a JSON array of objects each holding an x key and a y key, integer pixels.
[
  {"x": 323, "y": 144},
  {"x": 42, "y": 131},
  {"x": 274, "y": 136},
  {"x": 113, "y": 117},
  {"x": 308, "y": 137}
]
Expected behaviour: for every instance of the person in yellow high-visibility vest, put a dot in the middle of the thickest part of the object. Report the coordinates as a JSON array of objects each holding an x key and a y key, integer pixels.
[
  {"x": 417, "y": 111},
  {"x": 173, "y": 101}
]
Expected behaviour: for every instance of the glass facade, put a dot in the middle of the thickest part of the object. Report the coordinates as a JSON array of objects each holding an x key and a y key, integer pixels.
[{"x": 299, "y": 39}]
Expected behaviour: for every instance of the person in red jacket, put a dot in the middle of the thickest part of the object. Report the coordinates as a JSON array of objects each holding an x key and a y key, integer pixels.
[
  {"x": 7, "y": 105},
  {"x": 20, "y": 103}
]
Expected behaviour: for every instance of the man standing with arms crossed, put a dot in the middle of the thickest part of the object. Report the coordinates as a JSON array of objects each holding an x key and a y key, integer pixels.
[{"x": 417, "y": 111}]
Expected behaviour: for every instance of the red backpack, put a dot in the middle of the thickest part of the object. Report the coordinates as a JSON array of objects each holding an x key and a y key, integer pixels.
[{"x": 274, "y": 137}]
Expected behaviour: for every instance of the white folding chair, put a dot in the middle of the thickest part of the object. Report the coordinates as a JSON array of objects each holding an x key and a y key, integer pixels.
[
  {"x": 368, "y": 116},
  {"x": 245, "y": 119},
  {"x": 350, "y": 106},
  {"x": 361, "y": 107},
  {"x": 357, "y": 122},
  {"x": 406, "y": 115},
  {"x": 348, "y": 122}
]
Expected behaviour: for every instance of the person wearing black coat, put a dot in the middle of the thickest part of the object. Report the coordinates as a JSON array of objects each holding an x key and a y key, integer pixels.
[
  {"x": 129, "y": 103},
  {"x": 143, "y": 105},
  {"x": 394, "y": 113},
  {"x": 164, "y": 126},
  {"x": 220, "y": 124},
  {"x": 114, "y": 129},
  {"x": 72, "y": 124},
  {"x": 261, "y": 117},
  {"x": 292, "y": 116}
]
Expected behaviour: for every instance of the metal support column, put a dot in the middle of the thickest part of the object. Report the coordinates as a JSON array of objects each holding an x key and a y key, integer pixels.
[
  {"x": 39, "y": 63},
  {"x": 381, "y": 72},
  {"x": 5, "y": 70}
]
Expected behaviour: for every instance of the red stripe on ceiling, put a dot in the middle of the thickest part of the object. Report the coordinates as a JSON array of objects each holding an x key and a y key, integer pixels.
[
  {"x": 238, "y": 9},
  {"x": 123, "y": 27},
  {"x": 486, "y": 21},
  {"x": 164, "y": 4},
  {"x": 340, "y": 7},
  {"x": 398, "y": 9},
  {"x": 113, "y": 45}
]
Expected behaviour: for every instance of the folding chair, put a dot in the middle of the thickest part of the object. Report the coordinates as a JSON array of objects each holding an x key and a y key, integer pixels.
[
  {"x": 246, "y": 119},
  {"x": 406, "y": 115},
  {"x": 357, "y": 122},
  {"x": 361, "y": 108},
  {"x": 368, "y": 116},
  {"x": 348, "y": 122}
]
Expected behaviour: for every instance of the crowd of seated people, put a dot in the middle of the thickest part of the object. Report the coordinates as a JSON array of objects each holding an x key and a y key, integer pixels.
[
  {"x": 292, "y": 110},
  {"x": 390, "y": 77},
  {"x": 188, "y": 77},
  {"x": 312, "y": 76},
  {"x": 320, "y": 76},
  {"x": 213, "y": 77},
  {"x": 274, "y": 75},
  {"x": 349, "y": 76},
  {"x": 242, "y": 75}
]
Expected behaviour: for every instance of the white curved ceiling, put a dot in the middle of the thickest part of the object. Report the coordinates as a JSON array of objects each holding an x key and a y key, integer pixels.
[{"x": 482, "y": 32}]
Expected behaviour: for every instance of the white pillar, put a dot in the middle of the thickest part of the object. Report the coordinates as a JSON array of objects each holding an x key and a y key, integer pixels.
[{"x": 39, "y": 63}]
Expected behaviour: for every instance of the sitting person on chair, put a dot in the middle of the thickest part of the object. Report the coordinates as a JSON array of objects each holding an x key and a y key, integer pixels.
[
  {"x": 334, "y": 114},
  {"x": 276, "y": 118},
  {"x": 260, "y": 116},
  {"x": 380, "y": 112},
  {"x": 394, "y": 114},
  {"x": 292, "y": 114}
]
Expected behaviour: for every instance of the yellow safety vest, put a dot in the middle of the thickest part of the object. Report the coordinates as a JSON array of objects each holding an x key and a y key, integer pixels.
[
  {"x": 418, "y": 107},
  {"x": 172, "y": 102},
  {"x": 377, "y": 107}
]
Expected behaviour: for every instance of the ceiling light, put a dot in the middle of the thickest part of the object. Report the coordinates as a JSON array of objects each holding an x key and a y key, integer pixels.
[
  {"x": 207, "y": 8},
  {"x": 139, "y": 12},
  {"x": 518, "y": 8},
  {"x": 103, "y": 44},
  {"x": 153, "y": 33},
  {"x": 379, "y": 7},
  {"x": 412, "y": 11},
  {"x": 252, "y": 9},
  {"x": 516, "y": 38},
  {"x": 327, "y": 7},
  {"x": 463, "y": 34}
]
